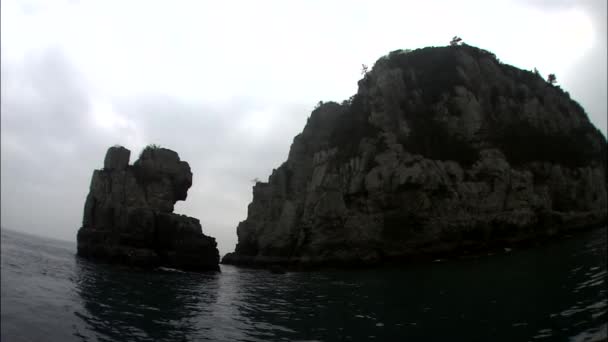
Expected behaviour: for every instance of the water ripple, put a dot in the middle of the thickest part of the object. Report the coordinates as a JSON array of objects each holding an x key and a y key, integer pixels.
[{"x": 49, "y": 294}]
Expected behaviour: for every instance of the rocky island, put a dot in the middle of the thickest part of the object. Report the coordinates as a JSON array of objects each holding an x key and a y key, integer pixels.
[
  {"x": 128, "y": 214},
  {"x": 442, "y": 150}
]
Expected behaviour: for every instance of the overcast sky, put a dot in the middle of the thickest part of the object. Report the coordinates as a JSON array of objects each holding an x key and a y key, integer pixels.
[{"x": 228, "y": 84}]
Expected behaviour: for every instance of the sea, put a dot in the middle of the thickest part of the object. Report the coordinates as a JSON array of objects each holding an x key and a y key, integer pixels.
[{"x": 556, "y": 291}]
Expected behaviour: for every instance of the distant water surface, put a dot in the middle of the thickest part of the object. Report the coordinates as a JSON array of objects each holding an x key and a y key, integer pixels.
[{"x": 556, "y": 292}]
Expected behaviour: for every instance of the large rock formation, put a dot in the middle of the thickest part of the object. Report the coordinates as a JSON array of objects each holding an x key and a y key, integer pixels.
[
  {"x": 129, "y": 219},
  {"x": 441, "y": 150}
]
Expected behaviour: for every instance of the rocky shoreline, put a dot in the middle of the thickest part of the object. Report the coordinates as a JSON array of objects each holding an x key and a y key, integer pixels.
[
  {"x": 440, "y": 253},
  {"x": 441, "y": 149}
]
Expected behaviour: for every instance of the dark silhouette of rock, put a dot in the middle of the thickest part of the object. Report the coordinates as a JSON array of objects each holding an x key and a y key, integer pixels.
[
  {"x": 128, "y": 215},
  {"x": 117, "y": 158},
  {"x": 442, "y": 150}
]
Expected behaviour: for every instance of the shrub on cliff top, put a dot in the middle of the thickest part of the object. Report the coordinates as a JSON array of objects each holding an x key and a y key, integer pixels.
[
  {"x": 150, "y": 147},
  {"x": 456, "y": 41}
]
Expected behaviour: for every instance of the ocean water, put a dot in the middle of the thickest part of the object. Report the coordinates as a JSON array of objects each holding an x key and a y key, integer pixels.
[{"x": 554, "y": 292}]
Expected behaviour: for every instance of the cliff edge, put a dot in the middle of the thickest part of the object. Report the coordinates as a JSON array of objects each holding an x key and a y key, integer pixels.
[
  {"x": 128, "y": 215},
  {"x": 441, "y": 150}
]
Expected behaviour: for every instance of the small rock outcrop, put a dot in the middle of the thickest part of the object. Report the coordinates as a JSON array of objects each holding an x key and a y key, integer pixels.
[
  {"x": 442, "y": 150},
  {"x": 128, "y": 214}
]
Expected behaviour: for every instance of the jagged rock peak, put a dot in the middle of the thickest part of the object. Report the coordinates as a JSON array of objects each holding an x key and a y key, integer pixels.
[
  {"x": 117, "y": 158},
  {"x": 128, "y": 216},
  {"x": 442, "y": 150}
]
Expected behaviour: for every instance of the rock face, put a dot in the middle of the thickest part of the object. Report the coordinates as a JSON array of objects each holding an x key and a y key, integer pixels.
[
  {"x": 129, "y": 219},
  {"x": 442, "y": 150}
]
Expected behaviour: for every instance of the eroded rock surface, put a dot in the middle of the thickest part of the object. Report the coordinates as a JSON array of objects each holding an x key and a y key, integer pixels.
[
  {"x": 128, "y": 215},
  {"x": 441, "y": 150}
]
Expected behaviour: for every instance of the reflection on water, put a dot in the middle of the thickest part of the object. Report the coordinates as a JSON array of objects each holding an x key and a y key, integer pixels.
[
  {"x": 551, "y": 292},
  {"x": 122, "y": 303}
]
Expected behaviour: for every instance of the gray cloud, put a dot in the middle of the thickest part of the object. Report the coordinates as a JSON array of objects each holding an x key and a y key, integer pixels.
[
  {"x": 44, "y": 131},
  {"x": 51, "y": 144}
]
